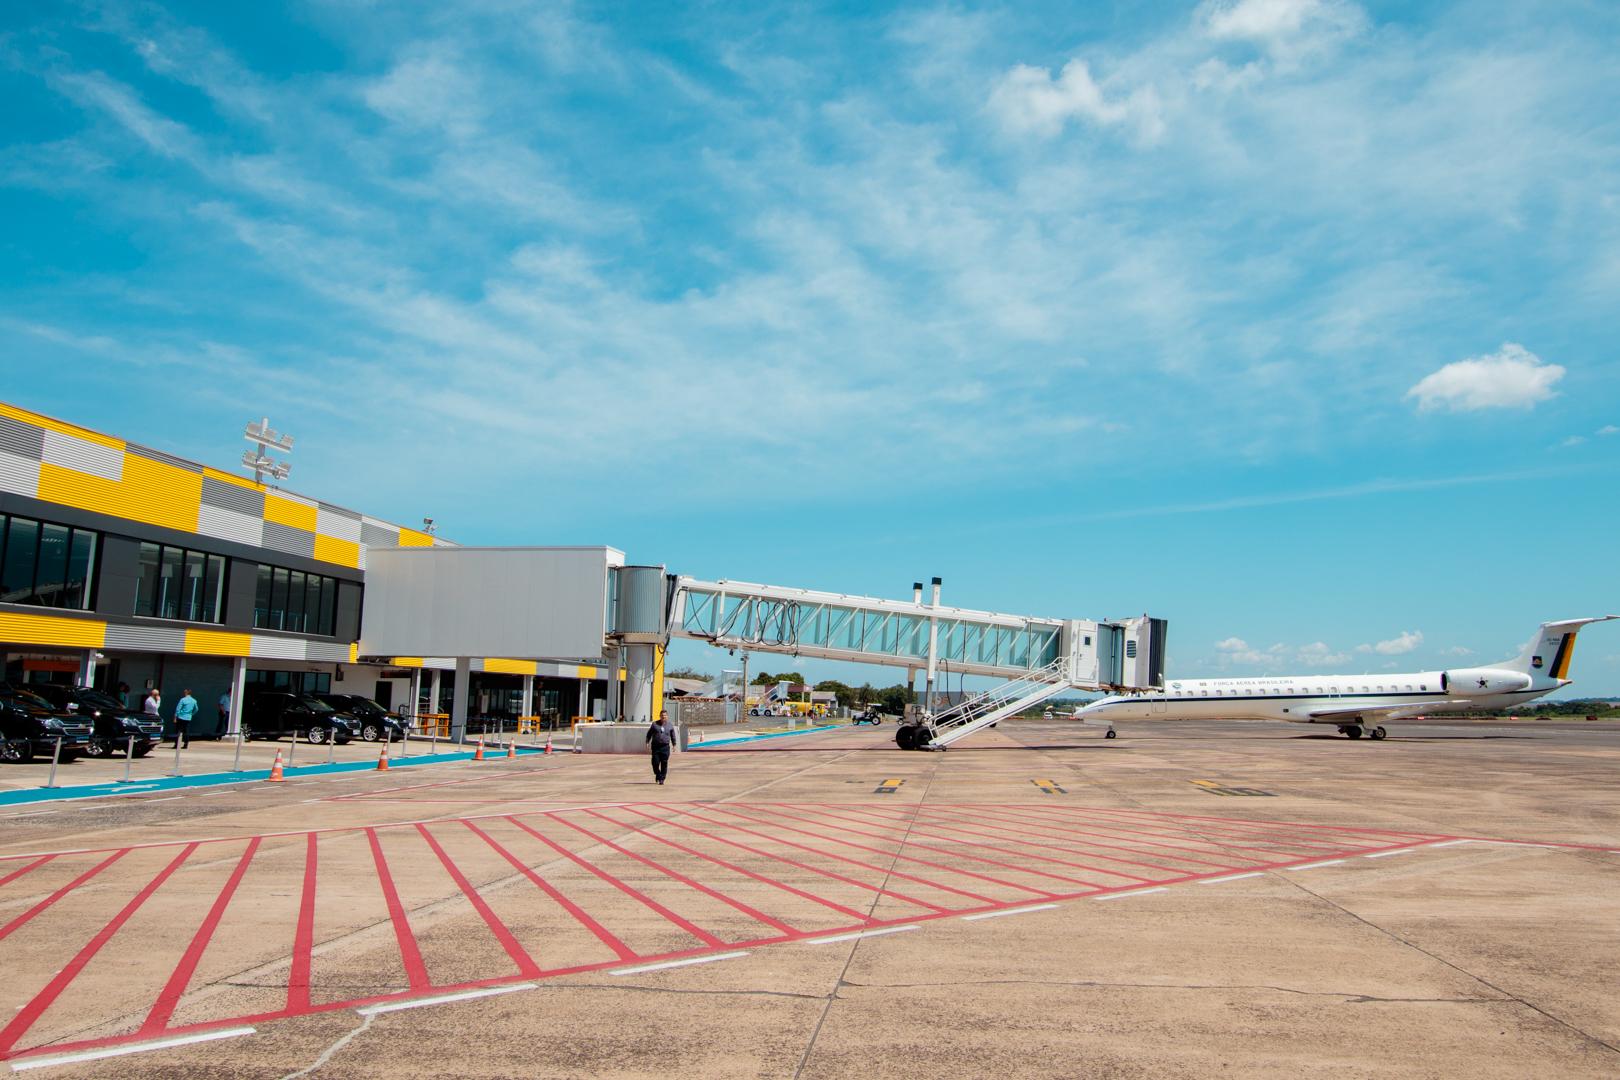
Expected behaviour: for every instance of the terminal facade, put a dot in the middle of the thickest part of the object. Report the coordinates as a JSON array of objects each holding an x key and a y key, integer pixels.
[{"x": 123, "y": 566}]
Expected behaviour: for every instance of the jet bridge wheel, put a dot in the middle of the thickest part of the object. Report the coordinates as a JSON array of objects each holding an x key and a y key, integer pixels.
[
  {"x": 1378, "y": 733},
  {"x": 1110, "y": 734},
  {"x": 905, "y": 737}
]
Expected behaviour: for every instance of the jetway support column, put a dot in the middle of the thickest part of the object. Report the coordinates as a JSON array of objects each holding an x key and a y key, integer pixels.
[
  {"x": 638, "y": 683},
  {"x": 933, "y": 648},
  {"x": 458, "y": 707}
]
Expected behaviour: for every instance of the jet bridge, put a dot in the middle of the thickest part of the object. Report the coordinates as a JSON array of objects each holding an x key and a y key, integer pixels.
[{"x": 1039, "y": 658}]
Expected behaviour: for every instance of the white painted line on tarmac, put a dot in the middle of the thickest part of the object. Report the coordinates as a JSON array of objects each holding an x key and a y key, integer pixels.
[
  {"x": 36, "y": 813},
  {"x": 135, "y": 1048},
  {"x": 1519, "y": 843},
  {"x": 1452, "y": 843},
  {"x": 1387, "y": 854},
  {"x": 1134, "y": 892},
  {"x": 860, "y": 934},
  {"x": 678, "y": 963},
  {"x": 1233, "y": 877},
  {"x": 1315, "y": 865},
  {"x": 1012, "y": 911},
  {"x": 444, "y": 999},
  {"x": 167, "y": 798}
]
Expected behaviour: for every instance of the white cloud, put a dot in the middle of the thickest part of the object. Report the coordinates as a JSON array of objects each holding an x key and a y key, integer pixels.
[
  {"x": 1029, "y": 100},
  {"x": 1608, "y": 429},
  {"x": 1512, "y": 378},
  {"x": 1286, "y": 29},
  {"x": 1457, "y": 650},
  {"x": 1573, "y": 440},
  {"x": 1404, "y": 642},
  {"x": 1319, "y": 652}
]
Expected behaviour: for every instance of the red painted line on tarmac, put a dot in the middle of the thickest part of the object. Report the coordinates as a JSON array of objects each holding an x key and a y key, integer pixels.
[
  {"x": 1207, "y": 834},
  {"x": 623, "y": 951},
  {"x": 1136, "y": 836},
  {"x": 885, "y": 870},
  {"x": 822, "y": 900},
  {"x": 907, "y": 841},
  {"x": 895, "y": 855},
  {"x": 169, "y": 998},
  {"x": 628, "y": 890},
  {"x": 303, "y": 937},
  {"x": 15, "y": 874},
  {"x": 410, "y": 954},
  {"x": 1330, "y": 830},
  {"x": 880, "y": 890},
  {"x": 1062, "y": 832},
  {"x": 42, "y": 1001},
  {"x": 525, "y": 963},
  {"x": 746, "y": 909},
  {"x": 1014, "y": 838},
  {"x": 63, "y": 891}
]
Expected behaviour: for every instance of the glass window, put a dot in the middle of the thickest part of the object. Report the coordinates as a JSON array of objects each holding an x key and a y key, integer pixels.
[
  {"x": 262, "y": 596},
  {"x": 312, "y": 603},
  {"x": 329, "y": 590},
  {"x": 191, "y": 596},
  {"x": 146, "y": 587},
  {"x": 170, "y": 583},
  {"x": 295, "y": 601},
  {"x": 179, "y": 584},
  {"x": 51, "y": 570},
  {"x": 81, "y": 560},
  {"x": 213, "y": 590},
  {"x": 17, "y": 568}
]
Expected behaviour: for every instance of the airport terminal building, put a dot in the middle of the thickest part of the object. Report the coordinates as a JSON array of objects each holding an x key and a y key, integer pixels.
[{"x": 121, "y": 565}]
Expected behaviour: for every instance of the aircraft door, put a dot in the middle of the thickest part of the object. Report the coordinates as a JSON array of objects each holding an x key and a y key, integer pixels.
[{"x": 1158, "y": 707}]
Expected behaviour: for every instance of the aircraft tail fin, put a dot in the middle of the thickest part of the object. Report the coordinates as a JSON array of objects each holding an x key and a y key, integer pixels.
[{"x": 1546, "y": 658}]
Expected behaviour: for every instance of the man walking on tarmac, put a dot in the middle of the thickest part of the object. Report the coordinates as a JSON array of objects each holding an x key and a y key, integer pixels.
[{"x": 660, "y": 736}]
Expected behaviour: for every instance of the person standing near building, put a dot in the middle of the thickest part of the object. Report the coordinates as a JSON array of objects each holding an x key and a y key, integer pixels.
[
  {"x": 153, "y": 704},
  {"x": 225, "y": 711},
  {"x": 660, "y": 737},
  {"x": 184, "y": 710}
]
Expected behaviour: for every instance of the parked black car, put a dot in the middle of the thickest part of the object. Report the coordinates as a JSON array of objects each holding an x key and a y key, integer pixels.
[
  {"x": 271, "y": 714},
  {"x": 112, "y": 726},
  {"x": 375, "y": 721},
  {"x": 29, "y": 727}
]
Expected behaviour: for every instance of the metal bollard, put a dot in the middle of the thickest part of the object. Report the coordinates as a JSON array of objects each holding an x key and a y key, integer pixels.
[
  {"x": 129, "y": 756},
  {"x": 331, "y": 745},
  {"x": 434, "y": 749},
  {"x": 56, "y": 755},
  {"x": 292, "y": 749},
  {"x": 176, "y": 756},
  {"x": 236, "y": 764}
]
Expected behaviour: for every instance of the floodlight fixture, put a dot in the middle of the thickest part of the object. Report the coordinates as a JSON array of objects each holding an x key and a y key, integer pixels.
[{"x": 266, "y": 439}]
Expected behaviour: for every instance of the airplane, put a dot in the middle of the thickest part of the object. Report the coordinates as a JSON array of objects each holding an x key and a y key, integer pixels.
[{"x": 1357, "y": 703}]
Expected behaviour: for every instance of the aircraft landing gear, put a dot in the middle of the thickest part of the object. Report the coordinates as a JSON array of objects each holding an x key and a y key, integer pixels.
[
  {"x": 1353, "y": 732},
  {"x": 1110, "y": 734},
  {"x": 1378, "y": 733}
]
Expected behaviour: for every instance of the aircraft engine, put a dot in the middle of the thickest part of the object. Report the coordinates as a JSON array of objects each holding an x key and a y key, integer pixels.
[{"x": 1483, "y": 682}]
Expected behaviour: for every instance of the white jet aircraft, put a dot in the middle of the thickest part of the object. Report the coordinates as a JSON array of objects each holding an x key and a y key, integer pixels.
[{"x": 1356, "y": 703}]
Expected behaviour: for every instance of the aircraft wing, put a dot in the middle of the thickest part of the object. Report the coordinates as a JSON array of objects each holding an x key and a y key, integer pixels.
[{"x": 1387, "y": 712}]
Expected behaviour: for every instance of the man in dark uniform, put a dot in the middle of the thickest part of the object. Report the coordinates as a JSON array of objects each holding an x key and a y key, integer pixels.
[{"x": 660, "y": 737}]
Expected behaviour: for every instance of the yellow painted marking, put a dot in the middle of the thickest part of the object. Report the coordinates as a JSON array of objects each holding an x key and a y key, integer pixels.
[
  {"x": 294, "y": 515},
  {"x": 333, "y": 550},
  {"x": 218, "y": 643},
  {"x": 21, "y": 629},
  {"x": 153, "y": 492},
  {"x": 354, "y": 652},
  {"x": 1049, "y": 787},
  {"x": 1569, "y": 654},
  {"x": 888, "y": 787},
  {"x": 407, "y": 661},
  {"x": 586, "y": 671},
  {"x": 496, "y": 665},
  {"x": 26, "y": 417},
  {"x": 412, "y": 538}
]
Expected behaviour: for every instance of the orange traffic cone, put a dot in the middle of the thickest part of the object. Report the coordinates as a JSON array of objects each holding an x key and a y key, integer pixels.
[
  {"x": 479, "y": 756},
  {"x": 548, "y": 744},
  {"x": 511, "y": 749},
  {"x": 382, "y": 760},
  {"x": 275, "y": 776}
]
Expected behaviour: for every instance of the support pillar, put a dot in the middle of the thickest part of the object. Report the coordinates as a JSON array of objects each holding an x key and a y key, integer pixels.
[
  {"x": 438, "y": 697},
  {"x": 416, "y": 692},
  {"x": 584, "y": 698},
  {"x": 933, "y": 648},
  {"x": 87, "y": 668},
  {"x": 458, "y": 704},
  {"x": 527, "y": 708},
  {"x": 233, "y": 722},
  {"x": 640, "y": 664}
]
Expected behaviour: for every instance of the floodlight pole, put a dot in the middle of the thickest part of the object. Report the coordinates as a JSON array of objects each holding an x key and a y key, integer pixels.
[{"x": 266, "y": 439}]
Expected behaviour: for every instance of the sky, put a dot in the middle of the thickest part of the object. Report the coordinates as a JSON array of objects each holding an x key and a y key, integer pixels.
[{"x": 1290, "y": 321}]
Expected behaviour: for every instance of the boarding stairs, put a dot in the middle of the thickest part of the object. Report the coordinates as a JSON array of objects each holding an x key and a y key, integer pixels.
[{"x": 940, "y": 730}]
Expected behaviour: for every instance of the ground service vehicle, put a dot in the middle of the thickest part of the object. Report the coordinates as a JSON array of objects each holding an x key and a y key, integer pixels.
[
  {"x": 29, "y": 727},
  {"x": 273, "y": 713},
  {"x": 870, "y": 716},
  {"x": 112, "y": 726},
  {"x": 375, "y": 721}
]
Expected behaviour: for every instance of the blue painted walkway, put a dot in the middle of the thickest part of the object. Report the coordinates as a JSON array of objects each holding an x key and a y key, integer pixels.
[
  {"x": 26, "y": 796},
  {"x": 736, "y": 739}
]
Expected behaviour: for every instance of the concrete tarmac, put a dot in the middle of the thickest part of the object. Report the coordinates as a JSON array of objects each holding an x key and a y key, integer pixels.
[{"x": 1187, "y": 899}]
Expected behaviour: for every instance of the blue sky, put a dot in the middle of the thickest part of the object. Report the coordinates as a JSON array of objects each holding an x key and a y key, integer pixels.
[{"x": 1292, "y": 321}]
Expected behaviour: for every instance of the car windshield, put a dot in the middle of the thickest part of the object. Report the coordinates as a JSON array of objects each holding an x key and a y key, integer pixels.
[
  {"x": 365, "y": 707},
  {"x": 29, "y": 699},
  {"x": 315, "y": 704},
  {"x": 98, "y": 699}
]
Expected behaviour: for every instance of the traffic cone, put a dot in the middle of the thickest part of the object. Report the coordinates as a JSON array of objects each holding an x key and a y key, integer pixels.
[
  {"x": 511, "y": 748},
  {"x": 382, "y": 760},
  {"x": 479, "y": 756},
  {"x": 275, "y": 776},
  {"x": 548, "y": 744}
]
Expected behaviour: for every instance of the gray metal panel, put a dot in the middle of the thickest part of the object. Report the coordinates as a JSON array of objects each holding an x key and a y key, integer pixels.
[
  {"x": 24, "y": 440},
  {"x": 640, "y": 609},
  {"x": 167, "y": 459},
  {"x": 147, "y": 638},
  {"x": 294, "y": 541},
  {"x": 377, "y": 535},
  {"x": 517, "y": 602},
  {"x": 230, "y": 497},
  {"x": 19, "y": 474}
]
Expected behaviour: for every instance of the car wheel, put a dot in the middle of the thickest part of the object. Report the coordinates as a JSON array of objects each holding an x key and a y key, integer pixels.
[
  {"x": 317, "y": 735},
  {"x": 97, "y": 748},
  {"x": 371, "y": 733},
  {"x": 142, "y": 749},
  {"x": 18, "y": 752}
]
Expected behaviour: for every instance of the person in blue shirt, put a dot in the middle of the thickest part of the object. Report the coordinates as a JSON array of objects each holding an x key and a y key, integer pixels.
[{"x": 184, "y": 710}]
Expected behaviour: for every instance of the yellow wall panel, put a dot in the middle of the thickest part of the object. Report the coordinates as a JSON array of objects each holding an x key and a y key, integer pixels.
[
  {"x": 20, "y": 629},
  {"x": 218, "y": 643},
  {"x": 331, "y": 549},
  {"x": 48, "y": 424},
  {"x": 412, "y": 538},
  {"x": 586, "y": 671},
  {"x": 510, "y": 667},
  {"x": 227, "y": 478},
  {"x": 294, "y": 515},
  {"x": 153, "y": 492},
  {"x": 407, "y": 661},
  {"x": 354, "y": 652}
]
